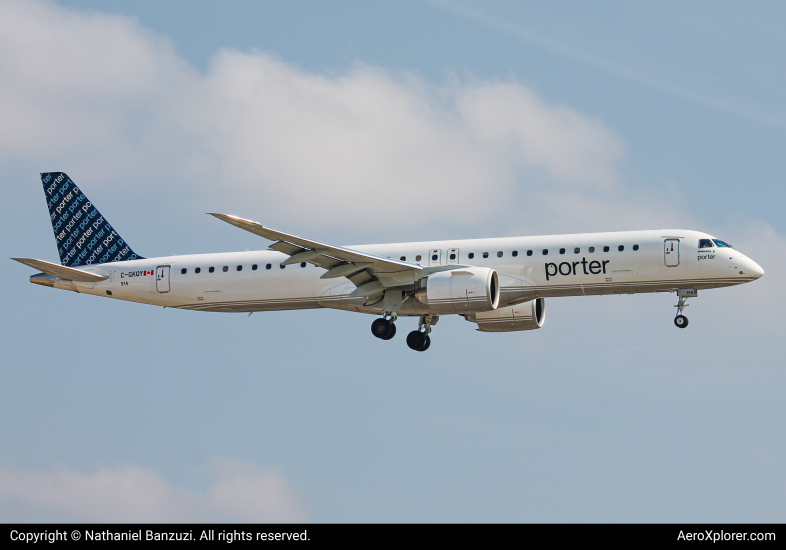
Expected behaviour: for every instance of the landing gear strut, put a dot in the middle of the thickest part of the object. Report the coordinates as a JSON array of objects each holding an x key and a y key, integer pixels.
[
  {"x": 384, "y": 328},
  {"x": 680, "y": 320},
  {"x": 419, "y": 340}
]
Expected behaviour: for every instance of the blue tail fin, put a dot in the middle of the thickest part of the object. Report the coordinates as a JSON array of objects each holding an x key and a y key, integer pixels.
[{"x": 83, "y": 235}]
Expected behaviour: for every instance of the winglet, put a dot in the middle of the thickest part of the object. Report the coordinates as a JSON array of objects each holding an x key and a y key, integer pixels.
[{"x": 248, "y": 225}]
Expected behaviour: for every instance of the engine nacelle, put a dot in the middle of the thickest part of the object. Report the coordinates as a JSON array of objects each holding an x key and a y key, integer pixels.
[
  {"x": 527, "y": 316},
  {"x": 462, "y": 290}
]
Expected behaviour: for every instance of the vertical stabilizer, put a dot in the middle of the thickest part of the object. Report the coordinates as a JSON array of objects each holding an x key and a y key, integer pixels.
[{"x": 83, "y": 235}]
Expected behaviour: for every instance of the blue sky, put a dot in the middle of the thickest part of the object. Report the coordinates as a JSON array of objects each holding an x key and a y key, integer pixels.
[{"x": 358, "y": 122}]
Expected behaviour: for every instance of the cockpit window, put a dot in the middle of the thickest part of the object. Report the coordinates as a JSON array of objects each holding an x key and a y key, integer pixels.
[
  {"x": 722, "y": 244},
  {"x": 705, "y": 243}
]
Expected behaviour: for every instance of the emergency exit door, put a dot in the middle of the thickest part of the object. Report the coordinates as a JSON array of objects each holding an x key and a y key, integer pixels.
[
  {"x": 671, "y": 252},
  {"x": 435, "y": 257},
  {"x": 162, "y": 278}
]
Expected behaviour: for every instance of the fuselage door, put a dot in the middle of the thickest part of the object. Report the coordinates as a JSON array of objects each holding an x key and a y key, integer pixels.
[
  {"x": 435, "y": 257},
  {"x": 162, "y": 278},
  {"x": 671, "y": 252},
  {"x": 453, "y": 256}
]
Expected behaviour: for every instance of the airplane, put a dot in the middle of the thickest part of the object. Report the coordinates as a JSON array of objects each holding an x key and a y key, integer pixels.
[{"x": 499, "y": 284}]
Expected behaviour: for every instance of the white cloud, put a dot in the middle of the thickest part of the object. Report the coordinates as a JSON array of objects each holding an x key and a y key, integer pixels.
[
  {"x": 110, "y": 100},
  {"x": 512, "y": 120},
  {"x": 385, "y": 145},
  {"x": 71, "y": 80},
  {"x": 241, "y": 492}
]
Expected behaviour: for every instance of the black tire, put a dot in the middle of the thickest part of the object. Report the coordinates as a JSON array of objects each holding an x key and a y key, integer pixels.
[
  {"x": 391, "y": 332},
  {"x": 681, "y": 321},
  {"x": 416, "y": 340},
  {"x": 380, "y": 328}
]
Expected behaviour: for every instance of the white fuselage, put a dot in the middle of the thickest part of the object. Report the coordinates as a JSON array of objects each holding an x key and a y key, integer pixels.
[{"x": 574, "y": 265}]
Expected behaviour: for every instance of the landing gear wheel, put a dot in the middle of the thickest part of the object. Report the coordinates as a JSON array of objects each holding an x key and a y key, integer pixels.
[
  {"x": 391, "y": 332},
  {"x": 419, "y": 341},
  {"x": 681, "y": 321},
  {"x": 384, "y": 329},
  {"x": 415, "y": 340}
]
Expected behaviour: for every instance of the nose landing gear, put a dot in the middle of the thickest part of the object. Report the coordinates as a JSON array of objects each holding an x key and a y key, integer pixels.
[
  {"x": 680, "y": 321},
  {"x": 419, "y": 339}
]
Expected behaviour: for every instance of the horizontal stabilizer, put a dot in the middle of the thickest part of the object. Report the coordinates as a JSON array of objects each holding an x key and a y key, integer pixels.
[{"x": 61, "y": 271}]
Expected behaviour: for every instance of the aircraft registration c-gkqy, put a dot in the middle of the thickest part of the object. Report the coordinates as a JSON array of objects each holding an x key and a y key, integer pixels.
[{"x": 499, "y": 284}]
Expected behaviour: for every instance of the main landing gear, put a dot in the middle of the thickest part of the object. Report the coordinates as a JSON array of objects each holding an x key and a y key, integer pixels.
[
  {"x": 680, "y": 321},
  {"x": 384, "y": 328},
  {"x": 419, "y": 340}
]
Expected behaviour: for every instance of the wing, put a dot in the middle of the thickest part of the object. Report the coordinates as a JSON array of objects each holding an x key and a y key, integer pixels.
[
  {"x": 61, "y": 271},
  {"x": 370, "y": 273}
]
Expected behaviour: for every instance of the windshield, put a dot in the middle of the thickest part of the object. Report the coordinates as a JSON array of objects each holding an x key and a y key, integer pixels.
[
  {"x": 705, "y": 243},
  {"x": 721, "y": 243}
]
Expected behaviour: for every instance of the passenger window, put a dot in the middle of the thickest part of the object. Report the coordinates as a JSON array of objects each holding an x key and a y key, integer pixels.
[
  {"x": 515, "y": 253},
  {"x": 722, "y": 244},
  {"x": 705, "y": 243},
  {"x": 620, "y": 248},
  {"x": 225, "y": 268},
  {"x": 635, "y": 247},
  {"x": 198, "y": 270},
  {"x": 417, "y": 258},
  {"x": 282, "y": 266},
  {"x": 545, "y": 251},
  {"x": 452, "y": 256},
  {"x": 562, "y": 251},
  {"x": 403, "y": 258},
  {"x": 302, "y": 264},
  {"x": 471, "y": 255},
  {"x": 434, "y": 257},
  {"x": 183, "y": 271},
  {"x": 576, "y": 250},
  {"x": 240, "y": 268},
  {"x": 485, "y": 254},
  {"x": 529, "y": 252},
  {"x": 268, "y": 266},
  {"x": 499, "y": 254},
  {"x": 212, "y": 269},
  {"x": 592, "y": 249},
  {"x": 605, "y": 249},
  {"x": 254, "y": 267}
]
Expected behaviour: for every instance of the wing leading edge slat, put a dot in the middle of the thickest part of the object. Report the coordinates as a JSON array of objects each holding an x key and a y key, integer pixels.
[{"x": 329, "y": 255}]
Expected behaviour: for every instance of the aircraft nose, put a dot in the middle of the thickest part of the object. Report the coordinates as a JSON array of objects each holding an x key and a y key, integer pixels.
[
  {"x": 753, "y": 269},
  {"x": 756, "y": 269}
]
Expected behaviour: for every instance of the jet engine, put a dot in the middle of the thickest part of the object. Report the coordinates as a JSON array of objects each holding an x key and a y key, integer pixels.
[
  {"x": 462, "y": 290},
  {"x": 527, "y": 316}
]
